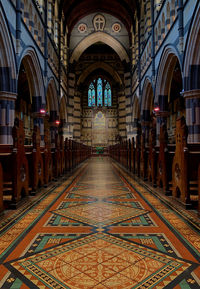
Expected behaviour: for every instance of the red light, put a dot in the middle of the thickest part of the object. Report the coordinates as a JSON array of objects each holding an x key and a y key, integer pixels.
[
  {"x": 42, "y": 111},
  {"x": 157, "y": 108},
  {"x": 57, "y": 122}
]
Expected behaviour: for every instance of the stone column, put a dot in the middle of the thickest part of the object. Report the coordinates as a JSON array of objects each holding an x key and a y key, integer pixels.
[
  {"x": 135, "y": 124},
  {"x": 145, "y": 123},
  {"x": 7, "y": 116},
  {"x": 50, "y": 17},
  {"x": 192, "y": 102}
]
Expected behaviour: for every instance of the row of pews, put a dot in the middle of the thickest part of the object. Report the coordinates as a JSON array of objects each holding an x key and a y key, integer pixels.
[
  {"x": 173, "y": 167},
  {"x": 24, "y": 169}
]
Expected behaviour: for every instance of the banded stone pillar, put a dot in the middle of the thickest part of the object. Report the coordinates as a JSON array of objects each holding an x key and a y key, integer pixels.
[
  {"x": 56, "y": 25},
  {"x": 50, "y": 17},
  {"x": 38, "y": 117},
  {"x": 7, "y": 116},
  {"x": 161, "y": 115},
  {"x": 127, "y": 81},
  {"x": 147, "y": 18},
  {"x": 122, "y": 113},
  {"x": 70, "y": 104},
  {"x": 135, "y": 124},
  {"x": 65, "y": 129},
  {"x": 77, "y": 116},
  {"x": 53, "y": 126},
  {"x": 146, "y": 124},
  {"x": 192, "y": 101}
]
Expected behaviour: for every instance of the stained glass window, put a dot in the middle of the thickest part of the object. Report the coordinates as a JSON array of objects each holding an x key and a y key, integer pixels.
[
  {"x": 99, "y": 93},
  {"x": 109, "y": 97},
  {"x": 91, "y": 95},
  {"x": 101, "y": 90},
  {"x": 106, "y": 97}
]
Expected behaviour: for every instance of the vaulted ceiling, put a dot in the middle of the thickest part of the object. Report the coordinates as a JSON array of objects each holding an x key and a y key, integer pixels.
[{"x": 74, "y": 10}]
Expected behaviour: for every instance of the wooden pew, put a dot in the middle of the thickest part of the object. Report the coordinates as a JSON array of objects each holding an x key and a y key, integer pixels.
[
  {"x": 180, "y": 184},
  {"x": 164, "y": 163},
  {"x": 35, "y": 162},
  {"x": 133, "y": 155},
  {"x": 67, "y": 154},
  {"x": 1, "y": 189},
  {"x": 48, "y": 165},
  {"x": 38, "y": 168},
  {"x": 126, "y": 154},
  {"x": 199, "y": 190},
  {"x": 137, "y": 155},
  {"x": 20, "y": 169},
  {"x": 70, "y": 155},
  {"x": 62, "y": 154},
  {"x": 15, "y": 167},
  {"x": 73, "y": 154},
  {"x": 56, "y": 158},
  {"x": 143, "y": 158},
  {"x": 185, "y": 167},
  {"x": 129, "y": 155},
  {"x": 151, "y": 167}
]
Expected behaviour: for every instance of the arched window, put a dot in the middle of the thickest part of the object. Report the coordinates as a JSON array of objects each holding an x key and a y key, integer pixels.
[
  {"x": 91, "y": 95},
  {"x": 107, "y": 95},
  {"x": 99, "y": 93}
]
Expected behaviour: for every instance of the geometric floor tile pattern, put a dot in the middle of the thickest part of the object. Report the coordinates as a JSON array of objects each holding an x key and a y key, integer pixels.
[
  {"x": 100, "y": 214},
  {"x": 98, "y": 229},
  {"x": 100, "y": 260}
]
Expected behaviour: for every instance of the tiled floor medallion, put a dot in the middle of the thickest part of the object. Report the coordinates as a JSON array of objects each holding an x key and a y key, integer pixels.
[{"x": 99, "y": 260}]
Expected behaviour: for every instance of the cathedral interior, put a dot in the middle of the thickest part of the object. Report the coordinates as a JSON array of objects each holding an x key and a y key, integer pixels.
[{"x": 99, "y": 144}]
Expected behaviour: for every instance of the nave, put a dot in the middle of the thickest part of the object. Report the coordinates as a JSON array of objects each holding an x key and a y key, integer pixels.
[{"x": 98, "y": 228}]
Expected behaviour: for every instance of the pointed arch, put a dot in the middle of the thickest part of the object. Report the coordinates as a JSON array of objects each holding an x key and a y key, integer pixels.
[
  {"x": 51, "y": 97},
  {"x": 63, "y": 110},
  {"x": 103, "y": 66},
  {"x": 34, "y": 73},
  {"x": 102, "y": 37},
  {"x": 167, "y": 63},
  {"x": 135, "y": 109},
  {"x": 192, "y": 54},
  {"x": 8, "y": 69},
  {"x": 147, "y": 95}
]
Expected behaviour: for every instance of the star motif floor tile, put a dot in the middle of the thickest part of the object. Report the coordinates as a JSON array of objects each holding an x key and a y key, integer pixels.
[
  {"x": 100, "y": 214},
  {"x": 135, "y": 266},
  {"x": 100, "y": 193}
]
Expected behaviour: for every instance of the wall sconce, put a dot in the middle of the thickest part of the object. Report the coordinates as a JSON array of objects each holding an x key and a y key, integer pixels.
[
  {"x": 156, "y": 108},
  {"x": 57, "y": 122},
  {"x": 42, "y": 111}
]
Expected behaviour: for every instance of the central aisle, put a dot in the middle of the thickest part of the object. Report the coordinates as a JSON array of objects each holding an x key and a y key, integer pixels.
[{"x": 102, "y": 231}]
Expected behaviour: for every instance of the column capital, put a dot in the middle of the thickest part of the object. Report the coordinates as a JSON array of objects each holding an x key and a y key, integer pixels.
[
  {"x": 195, "y": 93},
  {"x": 7, "y": 95}
]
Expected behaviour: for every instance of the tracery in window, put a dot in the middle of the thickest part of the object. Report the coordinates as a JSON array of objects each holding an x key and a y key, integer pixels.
[
  {"x": 91, "y": 95},
  {"x": 99, "y": 93},
  {"x": 107, "y": 95}
]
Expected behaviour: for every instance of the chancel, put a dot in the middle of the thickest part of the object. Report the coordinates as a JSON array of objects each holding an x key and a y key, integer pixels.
[{"x": 99, "y": 144}]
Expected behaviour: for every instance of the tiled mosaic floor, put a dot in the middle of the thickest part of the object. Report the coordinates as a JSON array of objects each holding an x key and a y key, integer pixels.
[{"x": 99, "y": 229}]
